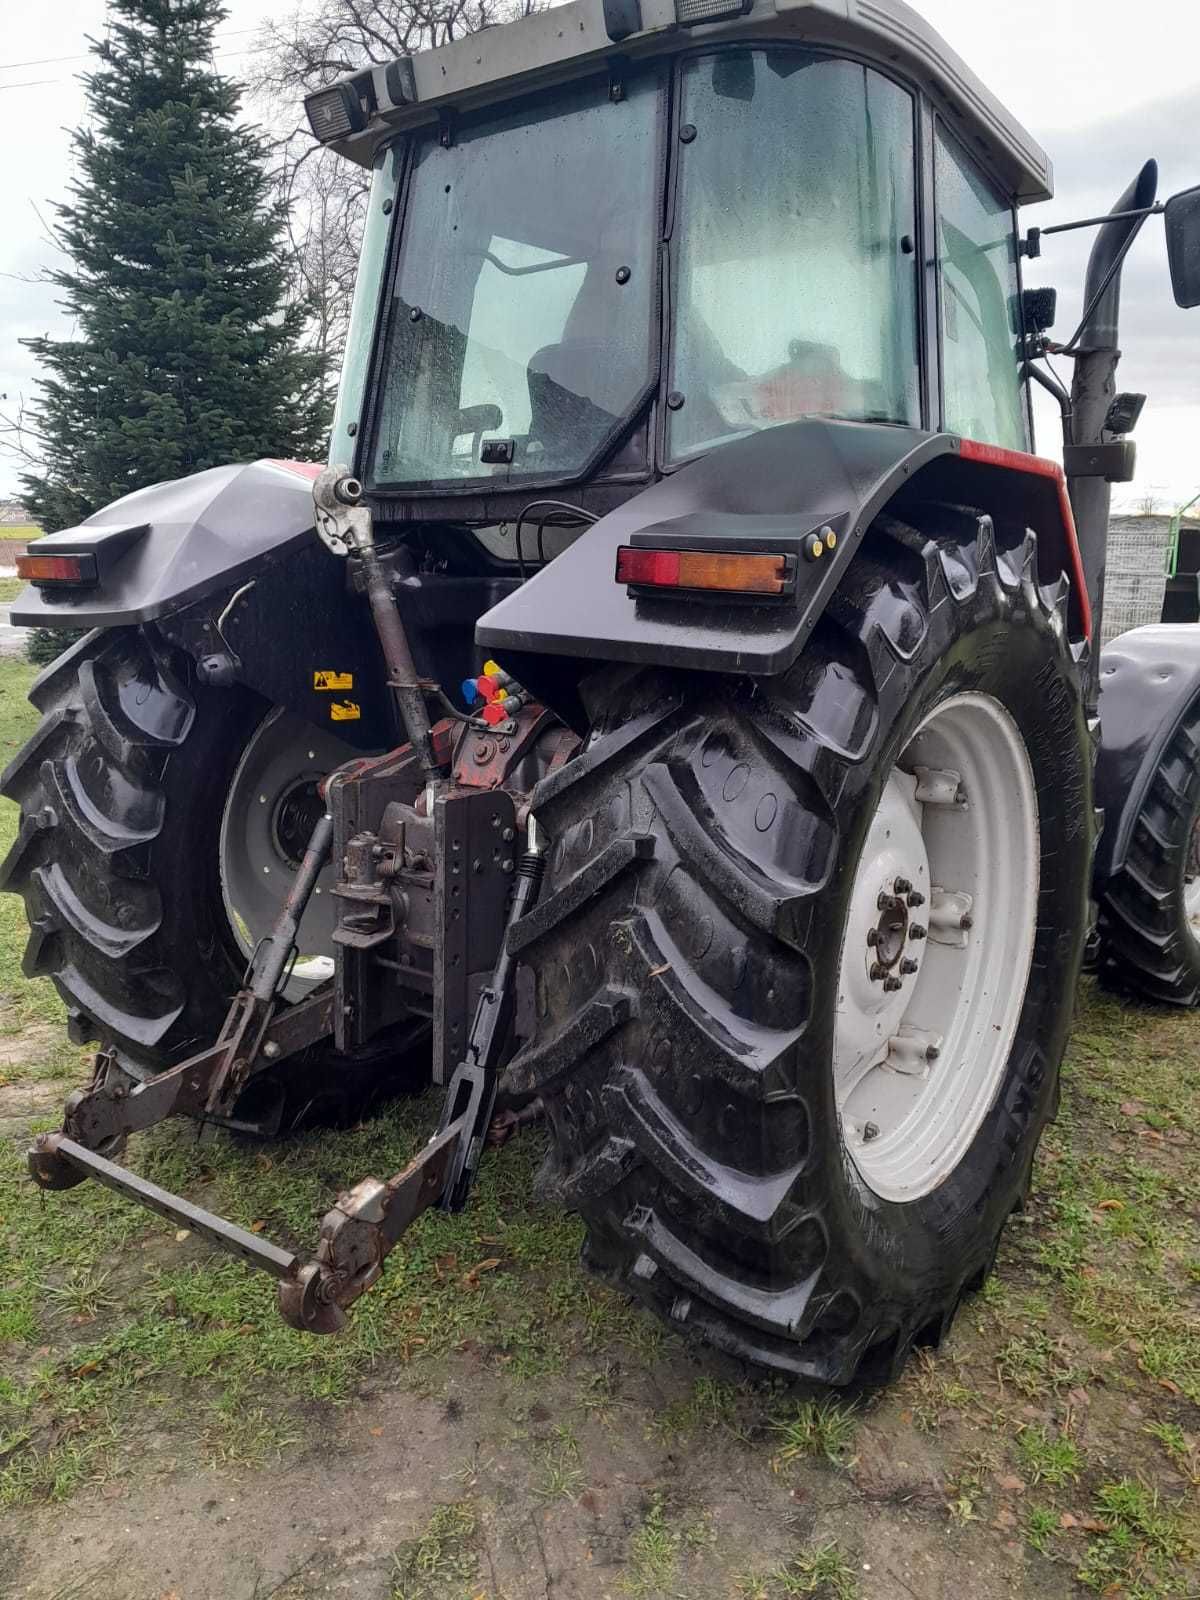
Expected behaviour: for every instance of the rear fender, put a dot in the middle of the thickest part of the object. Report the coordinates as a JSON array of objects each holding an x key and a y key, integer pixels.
[
  {"x": 227, "y": 565},
  {"x": 1149, "y": 680},
  {"x": 771, "y": 491}
]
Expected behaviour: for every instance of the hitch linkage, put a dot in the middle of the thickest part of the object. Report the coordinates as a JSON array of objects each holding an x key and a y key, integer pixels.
[{"x": 368, "y": 1221}]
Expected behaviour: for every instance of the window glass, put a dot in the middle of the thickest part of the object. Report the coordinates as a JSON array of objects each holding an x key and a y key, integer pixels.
[
  {"x": 793, "y": 293},
  {"x": 977, "y": 258},
  {"x": 523, "y": 303}
]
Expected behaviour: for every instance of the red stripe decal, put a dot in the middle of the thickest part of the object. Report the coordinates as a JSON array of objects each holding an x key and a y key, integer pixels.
[
  {"x": 306, "y": 469},
  {"x": 994, "y": 455}
]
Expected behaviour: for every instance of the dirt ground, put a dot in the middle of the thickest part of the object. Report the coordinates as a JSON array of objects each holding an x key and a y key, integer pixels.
[{"x": 496, "y": 1426}]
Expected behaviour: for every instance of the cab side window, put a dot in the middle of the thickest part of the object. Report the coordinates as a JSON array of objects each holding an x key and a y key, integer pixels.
[{"x": 979, "y": 301}]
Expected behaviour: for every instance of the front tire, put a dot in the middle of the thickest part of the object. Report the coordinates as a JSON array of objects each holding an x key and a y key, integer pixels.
[{"x": 689, "y": 956}]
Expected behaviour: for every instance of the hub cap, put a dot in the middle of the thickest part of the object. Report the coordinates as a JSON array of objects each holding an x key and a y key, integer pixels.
[
  {"x": 939, "y": 938},
  {"x": 272, "y": 807}
]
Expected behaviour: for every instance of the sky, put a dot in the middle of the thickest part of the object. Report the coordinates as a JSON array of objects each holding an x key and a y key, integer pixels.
[{"x": 1102, "y": 85}]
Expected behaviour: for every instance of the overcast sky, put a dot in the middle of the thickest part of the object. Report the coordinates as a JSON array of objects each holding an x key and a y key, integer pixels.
[{"x": 1102, "y": 84}]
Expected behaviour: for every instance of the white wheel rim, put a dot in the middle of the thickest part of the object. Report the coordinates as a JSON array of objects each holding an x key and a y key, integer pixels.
[
  {"x": 937, "y": 949},
  {"x": 1191, "y": 883},
  {"x": 283, "y": 761}
]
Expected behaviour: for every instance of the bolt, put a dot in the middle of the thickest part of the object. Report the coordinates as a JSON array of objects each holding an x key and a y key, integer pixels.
[
  {"x": 506, "y": 866},
  {"x": 885, "y": 901},
  {"x": 508, "y": 835},
  {"x": 967, "y": 922},
  {"x": 892, "y": 984},
  {"x": 932, "y": 1053},
  {"x": 872, "y": 935},
  {"x": 908, "y": 965},
  {"x": 270, "y": 1049},
  {"x": 902, "y": 886},
  {"x": 917, "y": 931},
  {"x": 877, "y": 971},
  {"x": 915, "y": 898},
  {"x": 870, "y": 1131}
]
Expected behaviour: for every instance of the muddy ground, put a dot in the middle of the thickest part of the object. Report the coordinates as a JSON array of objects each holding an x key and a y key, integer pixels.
[{"x": 495, "y": 1424}]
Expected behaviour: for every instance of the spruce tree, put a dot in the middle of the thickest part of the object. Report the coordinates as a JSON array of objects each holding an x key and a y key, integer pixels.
[{"x": 183, "y": 354}]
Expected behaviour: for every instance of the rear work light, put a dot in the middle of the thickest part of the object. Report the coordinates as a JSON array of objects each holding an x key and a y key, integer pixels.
[
  {"x": 77, "y": 570},
  {"x": 724, "y": 572}
]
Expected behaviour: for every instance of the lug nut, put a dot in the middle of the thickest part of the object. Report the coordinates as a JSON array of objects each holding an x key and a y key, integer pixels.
[
  {"x": 891, "y": 984},
  {"x": 908, "y": 965},
  {"x": 870, "y": 1131},
  {"x": 915, "y": 898},
  {"x": 902, "y": 886},
  {"x": 872, "y": 936},
  {"x": 917, "y": 931},
  {"x": 967, "y": 922},
  {"x": 932, "y": 1053},
  {"x": 877, "y": 971}
]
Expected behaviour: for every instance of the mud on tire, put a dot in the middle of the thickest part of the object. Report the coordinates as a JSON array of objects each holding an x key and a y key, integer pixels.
[{"x": 685, "y": 959}]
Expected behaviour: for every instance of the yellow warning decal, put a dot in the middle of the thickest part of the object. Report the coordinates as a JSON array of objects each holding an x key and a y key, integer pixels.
[
  {"x": 333, "y": 680},
  {"x": 344, "y": 711}
]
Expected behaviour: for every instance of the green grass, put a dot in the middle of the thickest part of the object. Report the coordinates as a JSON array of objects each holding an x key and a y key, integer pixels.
[
  {"x": 10, "y": 588},
  {"x": 823, "y": 1429},
  {"x": 653, "y": 1553},
  {"x": 822, "y": 1571},
  {"x": 20, "y": 530},
  {"x": 1048, "y": 1459},
  {"x": 438, "y": 1564}
]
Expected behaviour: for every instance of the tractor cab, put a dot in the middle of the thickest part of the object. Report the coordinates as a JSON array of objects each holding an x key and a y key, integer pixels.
[{"x": 707, "y": 227}]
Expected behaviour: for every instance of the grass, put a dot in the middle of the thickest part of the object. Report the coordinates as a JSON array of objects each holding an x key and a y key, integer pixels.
[
  {"x": 10, "y": 588},
  {"x": 437, "y": 1564},
  {"x": 822, "y": 1571},
  {"x": 1053, "y": 1460},
  {"x": 823, "y": 1429},
  {"x": 653, "y": 1552},
  {"x": 20, "y": 530}
]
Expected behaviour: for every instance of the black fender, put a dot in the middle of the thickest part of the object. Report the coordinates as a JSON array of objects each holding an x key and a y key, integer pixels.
[
  {"x": 773, "y": 491},
  {"x": 227, "y": 566},
  {"x": 1149, "y": 680}
]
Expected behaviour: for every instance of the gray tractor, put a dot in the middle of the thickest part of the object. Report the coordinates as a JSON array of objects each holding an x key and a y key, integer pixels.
[{"x": 672, "y": 715}]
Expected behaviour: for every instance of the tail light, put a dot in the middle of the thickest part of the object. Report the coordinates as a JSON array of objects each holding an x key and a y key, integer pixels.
[
  {"x": 723, "y": 572},
  {"x": 79, "y": 570}
]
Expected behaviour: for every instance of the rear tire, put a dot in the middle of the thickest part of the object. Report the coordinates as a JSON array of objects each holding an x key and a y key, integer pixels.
[
  {"x": 1149, "y": 925},
  {"x": 122, "y": 789},
  {"x": 705, "y": 847}
]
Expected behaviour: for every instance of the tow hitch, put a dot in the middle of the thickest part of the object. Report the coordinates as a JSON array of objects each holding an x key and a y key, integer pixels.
[{"x": 404, "y": 854}]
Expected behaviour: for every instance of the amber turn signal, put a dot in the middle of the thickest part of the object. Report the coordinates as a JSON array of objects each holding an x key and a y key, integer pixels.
[
  {"x": 702, "y": 569},
  {"x": 57, "y": 569}
]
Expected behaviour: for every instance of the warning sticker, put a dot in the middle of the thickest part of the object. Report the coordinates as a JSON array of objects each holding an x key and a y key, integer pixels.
[
  {"x": 344, "y": 711},
  {"x": 333, "y": 680}
]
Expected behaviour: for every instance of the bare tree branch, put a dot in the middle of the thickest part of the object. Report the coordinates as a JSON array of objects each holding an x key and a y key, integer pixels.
[{"x": 324, "y": 196}]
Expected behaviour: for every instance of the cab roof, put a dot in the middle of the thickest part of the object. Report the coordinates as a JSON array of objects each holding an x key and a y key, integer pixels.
[{"x": 362, "y": 110}]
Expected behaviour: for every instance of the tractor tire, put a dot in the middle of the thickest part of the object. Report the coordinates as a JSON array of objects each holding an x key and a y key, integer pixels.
[
  {"x": 123, "y": 790},
  {"x": 694, "y": 954},
  {"x": 1149, "y": 924}
]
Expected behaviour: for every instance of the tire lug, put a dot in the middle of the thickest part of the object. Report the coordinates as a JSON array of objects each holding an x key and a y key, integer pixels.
[
  {"x": 967, "y": 923},
  {"x": 902, "y": 886},
  {"x": 872, "y": 936},
  {"x": 878, "y": 970},
  {"x": 907, "y": 966},
  {"x": 932, "y": 1053},
  {"x": 891, "y": 984},
  {"x": 917, "y": 931},
  {"x": 870, "y": 1130},
  {"x": 915, "y": 898}
]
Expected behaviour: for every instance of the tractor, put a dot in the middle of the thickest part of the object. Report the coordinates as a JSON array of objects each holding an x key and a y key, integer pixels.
[{"x": 676, "y": 712}]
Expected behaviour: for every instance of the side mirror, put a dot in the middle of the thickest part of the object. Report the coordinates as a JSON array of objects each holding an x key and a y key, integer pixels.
[{"x": 1181, "y": 214}]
